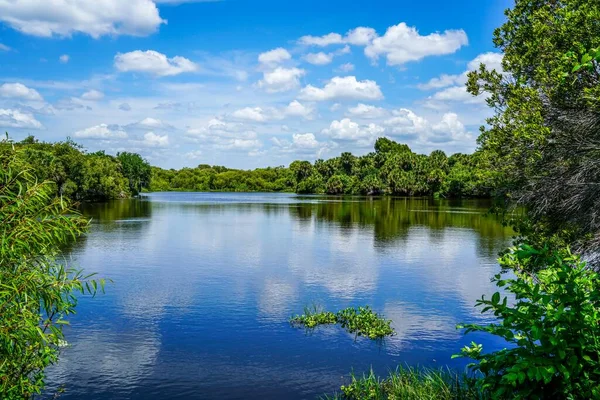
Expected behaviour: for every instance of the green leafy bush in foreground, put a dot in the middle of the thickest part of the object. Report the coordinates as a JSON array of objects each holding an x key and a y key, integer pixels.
[
  {"x": 409, "y": 384},
  {"x": 362, "y": 321},
  {"x": 552, "y": 328},
  {"x": 37, "y": 292}
]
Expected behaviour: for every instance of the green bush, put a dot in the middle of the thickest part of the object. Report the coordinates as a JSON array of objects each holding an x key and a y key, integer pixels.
[
  {"x": 37, "y": 293},
  {"x": 552, "y": 329}
]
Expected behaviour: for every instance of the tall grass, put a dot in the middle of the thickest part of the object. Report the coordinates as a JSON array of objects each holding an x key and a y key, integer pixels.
[{"x": 409, "y": 384}]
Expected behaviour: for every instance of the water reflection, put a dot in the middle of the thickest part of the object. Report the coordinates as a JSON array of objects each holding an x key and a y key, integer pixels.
[{"x": 204, "y": 284}]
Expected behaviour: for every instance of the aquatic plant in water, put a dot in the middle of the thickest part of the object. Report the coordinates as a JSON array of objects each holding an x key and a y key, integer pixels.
[{"x": 362, "y": 321}]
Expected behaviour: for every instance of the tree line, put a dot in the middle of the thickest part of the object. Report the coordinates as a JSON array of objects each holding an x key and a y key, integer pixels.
[{"x": 391, "y": 169}]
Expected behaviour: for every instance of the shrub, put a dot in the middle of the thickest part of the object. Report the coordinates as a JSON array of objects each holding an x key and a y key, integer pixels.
[
  {"x": 37, "y": 293},
  {"x": 552, "y": 329}
]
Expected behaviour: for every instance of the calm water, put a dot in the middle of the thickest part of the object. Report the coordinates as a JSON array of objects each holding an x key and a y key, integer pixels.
[{"x": 204, "y": 284}]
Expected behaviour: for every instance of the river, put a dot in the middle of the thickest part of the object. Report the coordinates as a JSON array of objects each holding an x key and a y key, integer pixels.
[{"x": 204, "y": 285}]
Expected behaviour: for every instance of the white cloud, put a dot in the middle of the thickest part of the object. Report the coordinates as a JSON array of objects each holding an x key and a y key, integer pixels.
[
  {"x": 17, "y": 119},
  {"x": 239, "y": 144},
  {"x": 347, "y": 130},
  {"x": 151, "y": 123},
  {"x": 95, "y": 18},
  {"x": 448, "y": 129},
  {"x": 319, "y": 58},
  {"x": 153, "y": 63},
  {"x": 256, "y": 114},
  {"x": 216, "y": 128},
  {"x": 456, "y": 94},
  {"x": 405, "y": 122},
  {"x": 297, "y": 109},
  {"x": 443, "y": 81},
  {"x": 124, "y": 107},
  {"x": 151, "y": 139},
  {"x": 366, "y": 111},
  {"x": 347, "y": 67},
  {"x": 64, "y": 58},
  {"x": 281, "y": 79},
  {"x": 274, "y": 57},
  {"x": 19, "y": 91},
  {"x": 322, "y": 41},
  {"x": 492, "y": 61},
  {"x": 4, "y": 47},
  {"x": 194, "y": 155},
  {"x": 360, "y": 36},
  {"x": 102, "y": 132},
  {"x": 343, "y": 88},
  {"x": 402, "y": 44},
  {"x": 305, "y": 141},
  {"x": 92, "y": 95}
]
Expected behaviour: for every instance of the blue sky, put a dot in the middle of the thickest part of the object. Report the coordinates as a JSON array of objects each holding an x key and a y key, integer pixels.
[{"x": 244, "y": 83}]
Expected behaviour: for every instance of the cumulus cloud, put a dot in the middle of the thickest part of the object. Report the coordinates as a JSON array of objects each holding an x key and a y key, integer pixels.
[
  {"x": 348, "y": 130},
  {"x": 492, "y": 61},
  {"x": 153, "y": 63},
  {"x": 64, "y": 58},
  {"x": 305, "y": 141},
  {"x": 343, "y": 88},
  {"x": 281, "y": 79},
  {"x": 18, "y": 119},
  {"x": 92, "y": 17},
  {"x": 256, "y": 114},
  {"x": 92, "y": 95},
  {"x": 151, "y": 139},
  {"x": 322, "y": 41},
  {"x": 102, "y": 132},
  {"x": 297, "y": 109},
  {"x": 274, "y": 57},
  {"x": 402, "y": 43},
  {"x": 151, "y": 123},
  {"x": 366, "y": 111},
  {"x": 19, "y": 91},
  {"x": 360, "y": 36},
  {"x": 124, "y": 107},
  {"x": 406, "y": 123},
  {"x": 319, "y": 58}
]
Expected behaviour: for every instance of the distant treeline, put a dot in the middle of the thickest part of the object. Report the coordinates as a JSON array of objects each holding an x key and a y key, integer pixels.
[{"x": 391, "y": 169}]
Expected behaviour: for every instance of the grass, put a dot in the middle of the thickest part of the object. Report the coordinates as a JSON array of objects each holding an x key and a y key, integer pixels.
[
  {"x": 409, "y": 384},
  {"x": 362, "y": 321}
]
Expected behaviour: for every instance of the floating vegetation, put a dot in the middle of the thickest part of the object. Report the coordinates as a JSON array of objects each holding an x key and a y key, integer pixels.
[
  {"x": 409, "y": 384},
  {"x": 362, "y": 321}
]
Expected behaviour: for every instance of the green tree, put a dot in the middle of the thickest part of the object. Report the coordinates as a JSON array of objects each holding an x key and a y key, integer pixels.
[{"x": 136, "y": 170}]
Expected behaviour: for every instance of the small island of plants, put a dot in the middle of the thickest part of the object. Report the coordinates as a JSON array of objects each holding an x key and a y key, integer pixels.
[{"x": 362, "y": 321}]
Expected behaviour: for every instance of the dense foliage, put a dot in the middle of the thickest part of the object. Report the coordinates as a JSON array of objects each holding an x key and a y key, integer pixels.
[
  {"x": 552, "y": 329},
  {"x": 80, "y": 175},
  {"x": 392, "y": 169},
  {"x": 543, "y": 139},
  {"x": 37, "y": 292}
]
